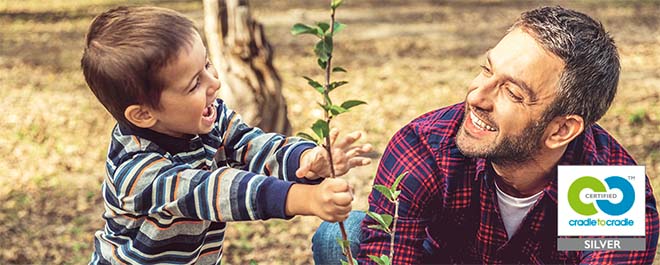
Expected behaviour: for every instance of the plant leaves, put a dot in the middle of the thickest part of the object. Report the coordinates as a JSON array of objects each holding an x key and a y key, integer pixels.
[
  {"x": 386, "y": 260},
  {"x": 336, "y": 3},
  {"x": 336, "y": 110},
  {"x": 352, "y": 103},
  {"x": 320, "y": 128},
  {"x": 343, "y": 243},
  {"x": 307, "y": 136},
  {"x": 338, "y": 27},
  {"x": 385, "y": 220},
  {"x": 385, "y": 191},
  {"x": 337, "y": 69},
  {"x": 379, "y": 227},
  {"x": 398, "y": 179},
  {"x": 315, "y": 85},
  {"x": 321, "y": 51},
  {"x": 323, "y": 26},
  {"x": 336, "y": 84},
  {"x": 322, "y": 64},
  {"x": 300, "y": 28},
  {"x": 378, "y": 260}
]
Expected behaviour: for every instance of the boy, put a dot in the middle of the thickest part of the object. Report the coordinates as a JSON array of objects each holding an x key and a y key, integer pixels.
[{"x": 180, "y": 163}]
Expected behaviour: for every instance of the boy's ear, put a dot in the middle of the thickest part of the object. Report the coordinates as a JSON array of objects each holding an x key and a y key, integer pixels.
[
  {"x": 563, "y": 130},
  {"x": 140, "y": 116}
]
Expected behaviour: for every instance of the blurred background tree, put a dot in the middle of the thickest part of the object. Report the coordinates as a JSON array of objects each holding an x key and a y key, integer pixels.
[{"x": 241, "y": 53}]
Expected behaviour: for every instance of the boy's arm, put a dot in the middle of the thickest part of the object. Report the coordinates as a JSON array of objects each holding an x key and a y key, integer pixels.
[
  {"x": 149, "y": 183},
  {"x": 251, "y": 149}
]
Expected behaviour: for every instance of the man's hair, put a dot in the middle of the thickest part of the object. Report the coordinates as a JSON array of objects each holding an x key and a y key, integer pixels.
[
  {"x": 591, "y": 74},
  {"x": 125, "y": 50}
]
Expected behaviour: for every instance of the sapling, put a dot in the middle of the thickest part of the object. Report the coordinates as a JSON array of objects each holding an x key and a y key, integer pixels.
[
  {"x": 321, "y": 128},
  {"x": 384, "y": 221}
]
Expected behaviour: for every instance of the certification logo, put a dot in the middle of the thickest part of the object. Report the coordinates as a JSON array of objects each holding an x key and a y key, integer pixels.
[{"x": 601, "y": 201}]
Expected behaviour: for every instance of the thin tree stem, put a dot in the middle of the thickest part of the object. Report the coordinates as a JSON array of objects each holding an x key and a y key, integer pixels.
[
  {"x": 328, "y": 144},
  {"x": 396, "y": 216}
]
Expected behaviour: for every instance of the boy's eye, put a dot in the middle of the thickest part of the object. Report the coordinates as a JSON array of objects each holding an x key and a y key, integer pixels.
[
  {"x": 208, "y": 64},
  {"x": 195, "y": 86},
  {"x": 485, "y": 70}
]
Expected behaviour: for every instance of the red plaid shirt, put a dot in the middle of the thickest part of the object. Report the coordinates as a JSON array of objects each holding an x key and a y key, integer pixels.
[{"x": 448, "y": 211}]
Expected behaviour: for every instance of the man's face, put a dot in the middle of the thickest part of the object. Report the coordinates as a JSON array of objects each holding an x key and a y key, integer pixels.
[{"x": 505, "y": 102}]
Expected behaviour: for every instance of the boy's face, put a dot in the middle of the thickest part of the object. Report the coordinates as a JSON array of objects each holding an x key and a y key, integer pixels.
[{"x": 191, "y": 83}]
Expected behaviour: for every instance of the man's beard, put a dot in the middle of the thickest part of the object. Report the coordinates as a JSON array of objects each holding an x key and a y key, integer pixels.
[{"x": 511, "y": 149}]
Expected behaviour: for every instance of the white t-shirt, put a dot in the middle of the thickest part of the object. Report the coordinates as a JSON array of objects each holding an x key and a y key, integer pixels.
[{"x": 513, "y": 209}]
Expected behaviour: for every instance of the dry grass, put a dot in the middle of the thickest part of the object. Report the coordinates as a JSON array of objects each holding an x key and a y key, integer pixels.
[{"x": 404, "y": 58}]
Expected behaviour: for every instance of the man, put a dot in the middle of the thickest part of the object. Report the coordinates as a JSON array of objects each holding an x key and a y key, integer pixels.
[{"x": 482, "y": 174}]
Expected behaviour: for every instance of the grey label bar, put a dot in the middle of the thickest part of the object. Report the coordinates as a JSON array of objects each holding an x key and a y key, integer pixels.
[{"x": 601, "y": 244}]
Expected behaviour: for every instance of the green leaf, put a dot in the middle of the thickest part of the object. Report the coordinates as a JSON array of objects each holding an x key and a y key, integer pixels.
[
  {"x": 385, "y": 191},
  {"x": 338, "y": 28},
  {"x": 379, "y": 227},
  {"x": 327, "y": 99},
  {"x": 323, "y": 26},
  {"x": 322, "y": 64},
  {"x": 386, "y": 260},
  {"x": 336, "y": 3},
  {"x": 343, "y": 262},
  {"x": 337, "y": 69},
  {"x": 398, "y": 179},
  {"x": 253, "y": 262},
  {"x": 321, "y": 129},
  {"x": 395, "y": 195},
  {"x": 336, "y": 84},
  {"x": 377, "y": 260},
  {"x": 315, "y": 85},
  {"x": 352, "y": 103},
  {"x": 343, "y": 243},
  {"x": 321, "y": 51},
  {"x": 307, "y": 136},
  {"x": 385, "y": 220},
  {"x": 300, "y": 28},
  {"x": 336, "y": 110}
]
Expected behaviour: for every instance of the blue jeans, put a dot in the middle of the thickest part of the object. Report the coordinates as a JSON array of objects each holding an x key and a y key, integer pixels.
[{"x": 324, "y": 243}]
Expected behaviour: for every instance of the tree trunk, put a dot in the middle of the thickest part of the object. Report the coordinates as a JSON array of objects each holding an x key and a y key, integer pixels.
[{"x": 244, "y": 59}]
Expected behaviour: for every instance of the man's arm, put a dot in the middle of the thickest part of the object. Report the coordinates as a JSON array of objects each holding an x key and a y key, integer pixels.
[
  {"x": 406, "y": 152},
  {"x": 633, "y": 257}
]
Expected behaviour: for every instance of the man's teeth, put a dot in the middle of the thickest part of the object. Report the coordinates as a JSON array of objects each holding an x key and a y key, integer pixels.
[{"x": 480, "y": 124}]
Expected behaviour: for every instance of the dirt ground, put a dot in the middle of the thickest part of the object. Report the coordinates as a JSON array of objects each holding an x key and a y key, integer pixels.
[{"x": 404, "y": 58}]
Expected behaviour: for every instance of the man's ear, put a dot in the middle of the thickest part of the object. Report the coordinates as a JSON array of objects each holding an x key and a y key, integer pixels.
[
  {"x": 140, "y": 116},
  {"x": 563, "y": 130}
]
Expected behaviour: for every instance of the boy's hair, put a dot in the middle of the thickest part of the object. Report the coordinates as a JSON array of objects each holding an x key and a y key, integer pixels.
[{"x": 125, "y": 50}]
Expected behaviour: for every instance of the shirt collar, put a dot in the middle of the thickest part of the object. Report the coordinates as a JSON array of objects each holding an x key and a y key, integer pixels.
[{"x": 171, "y": 144}]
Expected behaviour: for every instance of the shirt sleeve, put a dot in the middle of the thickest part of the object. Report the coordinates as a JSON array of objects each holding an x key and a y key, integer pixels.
[
  {"x": 633, "y": 257},
  {"x": 406, "y": 152},
  {"x": 149, "y": 184},
  {"x": 251, "y": 149}
]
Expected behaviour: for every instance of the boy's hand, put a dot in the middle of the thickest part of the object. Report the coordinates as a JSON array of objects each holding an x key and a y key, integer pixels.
[
  {"x": 331, "y": 200},
  {"x": 314, "y": 163}
]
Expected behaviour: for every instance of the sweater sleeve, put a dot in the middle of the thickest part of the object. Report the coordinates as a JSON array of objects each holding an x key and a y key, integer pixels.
[
  {"x": 251, "y": 149},
  {"x": 149, "y": 183}
]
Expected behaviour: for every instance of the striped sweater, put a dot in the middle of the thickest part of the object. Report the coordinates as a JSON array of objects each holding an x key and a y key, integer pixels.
[{"x": 167, "y": 200}]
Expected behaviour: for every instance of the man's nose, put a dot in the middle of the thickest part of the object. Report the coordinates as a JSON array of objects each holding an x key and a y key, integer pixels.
[{"x": 483, "y": 94}]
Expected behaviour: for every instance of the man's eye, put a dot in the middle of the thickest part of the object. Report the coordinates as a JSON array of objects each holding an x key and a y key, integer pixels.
[{"x": 516, "y": 98}]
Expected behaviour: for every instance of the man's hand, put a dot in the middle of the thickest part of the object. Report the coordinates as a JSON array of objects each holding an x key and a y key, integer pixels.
[
  {"x": 331, "y": 200},
  {"x": 314, "y": 163}
]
